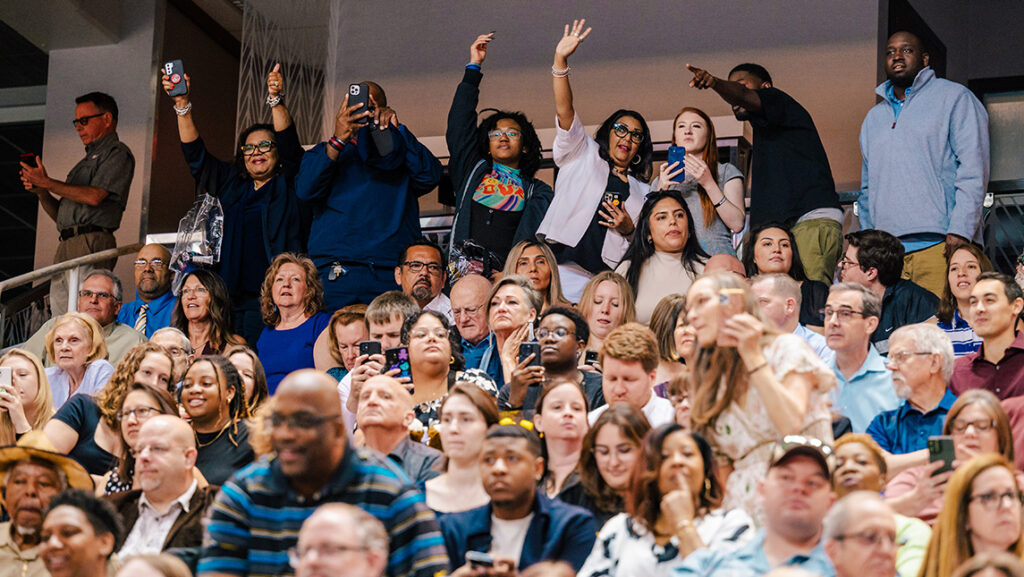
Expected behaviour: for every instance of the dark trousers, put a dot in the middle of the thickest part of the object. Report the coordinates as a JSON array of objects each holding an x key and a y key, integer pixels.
[{"x": 357, "y": 284}]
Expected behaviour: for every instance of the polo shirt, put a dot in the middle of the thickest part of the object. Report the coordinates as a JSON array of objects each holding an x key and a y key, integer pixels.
[
  {"x": 483, "y": 356},
  {"x": 15, "y": 562},
  {"x": 868, "y": 393},
  {"x": 1004, "y": 379},
  {"x": 418, "y": 461},
  {"x": 257, "y": 517},
  {"x": 751, "y": 560},
  {"x": 965, "y": 341},
  {"x": 108, "y": 164},
  {"x": 907, "y": 429},
  {"x": 158, "y": 315},
  {"x": 904, "y": 303}
]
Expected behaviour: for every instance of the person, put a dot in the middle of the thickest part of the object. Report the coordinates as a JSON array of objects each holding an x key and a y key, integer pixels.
[
  {"x": 588, "y": 233},
  {"x": 962, "y": 270},
  {"x": 512, "y": 308},
  {"x": 29, "y": 404},
  {"x": 521, "y": 525},
  {"x": 203, "y": 312},
  {"x": 366, "y": 207},
  {"x": 154, "y": 301},
  {"x": 780, "y": 298},
  {"x": 998, "y": 366},
  {"x": 629, "y": 361},
  {"x": 774, "y": 385},
  {"x": 75, "y": 342},
  {"x": 791, "y": 181},
  {"x": 946, "y": 177},
  {"x": 981, "y": 513},
  {"x": 385, "y": 413},
  {"x": 714, "y": 191},
  {"x": 333, "y": 528},
  {"x": 771, "y": 249},
  {"x": 561, "y": 418},
  {"x": 31, "y": 474},
  {"x": 663, "y": 324},
  {"x": 672, "y": 511},
  {"x": 469, "y": 309},
  {"x": 80, "y": 534},
  {"x": 664, "y": 256},
  {"x": 796, "y": 495},
  {"x": 260, "y": 221},
  {"x": 860, "y": 536},
  {"x": 607, "y": 302},
  {"x": 292, "y": 302},
  {"x": 161, "y": 565},
  {"x": 346, "y": 329},
  {"x": 422, "y": 273},
  {"x": 315, "y": 464},
  {"x": 175, "y": 342},
  {"x": 135, "y": 405},
  {"x": 254, "y": 377},
  {"x": 722, "y": 262},
  {"x": 864, "y": 383},
  {"x": 465, "y": 414},
  {"x": 874, "y": 259},
  {"x": 493, "y": 166},
  {"x": 90, "y": 202},
  {"x": 534, "y": 260},
  {"x": 1000, "y": 564}
]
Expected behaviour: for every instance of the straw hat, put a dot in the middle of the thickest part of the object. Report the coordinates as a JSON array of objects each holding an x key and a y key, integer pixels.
[{"x": 36, "y": 445}]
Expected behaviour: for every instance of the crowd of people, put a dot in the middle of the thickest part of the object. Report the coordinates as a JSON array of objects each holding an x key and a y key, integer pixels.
[{"x": 610, "y": 387}]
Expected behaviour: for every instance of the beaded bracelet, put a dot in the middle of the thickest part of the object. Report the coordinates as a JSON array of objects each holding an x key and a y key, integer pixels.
[
  {"x": 560, "y": 73},
  {"x": 183, "y": 110},
  {"x": 273, "y": 100}
]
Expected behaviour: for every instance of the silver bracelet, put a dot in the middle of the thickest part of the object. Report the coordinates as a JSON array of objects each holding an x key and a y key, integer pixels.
[
  {"x": 274, "y": 100},
  {"x": 721, "y": 202},
  {"x": 184, "y": 110},
  {"x": 560, "y": 73}
]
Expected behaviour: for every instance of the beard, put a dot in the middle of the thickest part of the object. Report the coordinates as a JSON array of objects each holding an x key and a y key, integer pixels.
[
  {"x": 902, "y": 389},
  {"x": 422, "y": 293}
]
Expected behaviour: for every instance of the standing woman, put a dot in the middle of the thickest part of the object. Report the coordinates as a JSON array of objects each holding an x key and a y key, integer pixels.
[
  {"x": 561, "y": 419},
  {"x": 535, "y": 261},
  {"x": 79, "y": 352},
  {"x": 606, "y": 303},
  {"x": 29, "y": 404},
  {"x": 203, "y": 312},
  {"x": 962, "y": 270},
  {"x": 589, "y": 235}
]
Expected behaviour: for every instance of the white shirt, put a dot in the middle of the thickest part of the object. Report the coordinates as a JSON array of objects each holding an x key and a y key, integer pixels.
[
  {"x": 151, "y": 528},
  {"x": 508, "y": 536},
  {"x": 658, "y": 411},
  {"x": 95, "y": 378},
  {"x": 441, "y": 304},
  {"x": 344, "y": 390}
]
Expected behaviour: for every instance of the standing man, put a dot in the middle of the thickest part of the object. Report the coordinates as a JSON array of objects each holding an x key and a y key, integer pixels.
[
  {"x": 422, "y": 273},
  {"x": 926, "y": 146},
  {"x": 791, "y": 181},
  {"x": 88, "y": 206},
  {"x": 154, "y": 301}
]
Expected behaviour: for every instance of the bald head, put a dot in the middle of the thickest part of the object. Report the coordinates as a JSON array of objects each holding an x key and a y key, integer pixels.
[
  {"x": 165, "y": 454},
  {"x": 152, "y": 277},
  {"x": 171, "y": 428},
  {"x": 384, "y": 404},
  {"x": 725, "y": 262},
  {"x": 470, "y": 293},
  {"x": 309, "y": 384}
]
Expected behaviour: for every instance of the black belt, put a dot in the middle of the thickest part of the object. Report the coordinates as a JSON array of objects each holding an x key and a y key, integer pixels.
[{"x": 80, "y": 229}]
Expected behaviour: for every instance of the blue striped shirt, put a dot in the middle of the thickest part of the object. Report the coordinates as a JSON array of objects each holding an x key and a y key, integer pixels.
[{"x": 964, "y": 340}]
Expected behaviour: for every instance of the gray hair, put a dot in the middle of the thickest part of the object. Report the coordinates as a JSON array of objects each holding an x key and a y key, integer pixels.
[
  {"x": 782, "y": 284},
  {"x": 929, "y": 338},
  {"x": 870, "y": 303},
  {"x": 186, "y": 344},
  {"x": 118, "y": 288},
  {"x": 62, "y": 477},
  {"x": 845, "y": 510},
  {"x": 369, "y": 529}
]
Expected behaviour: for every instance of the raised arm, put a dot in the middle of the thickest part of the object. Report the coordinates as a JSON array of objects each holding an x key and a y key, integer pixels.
[
  {"x": 279, "y": 112},
  {"x": 571, "y": 39},
  {"x": 187, "y": 130},
  {"x": 734, "y": 93},
  {"x": 461, "y": 132}
]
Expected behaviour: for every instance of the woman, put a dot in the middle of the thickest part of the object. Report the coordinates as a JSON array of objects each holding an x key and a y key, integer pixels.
[
  {"x": 672, "y": 510},
  {"x": 79, "y": 351},
  {"x": 257, "y": 195},
  {"x": 561, "y": 419},
  {"x": 609, "y": 451},
  {"x": 770, "y": 248},
  {"x": 588, "y": 233},
  {"x": 211, "y": 394},
  {"x": 1000, "y": 564},
  {"x": 493, "y": 167},
  {"x": 981, "y": 513},
  {"x": 203, "y": 312},
  {"x": 663, "y": 324},
  {"x": 162, "y": 565},
  {"x": 713, "y": 191},
  {"x": 684, "y": 339},
  {"x": 751, "y": 386},
  {"x": 512, "y": 307},
  {"x": 535, "y": 261},
  {"x": 136, "y": 405},
  {"x": 254, "y": 378},
  {"x": 664, "y": 256},
  {"x": 962, "y": 270},
  {"x": 28, "y": 405},
  {"x": 346, "y": 330},
  {"x": 607, "y": 302},
  {"x": 292, "y": 302},
  {"x": 465, "y": 416}
]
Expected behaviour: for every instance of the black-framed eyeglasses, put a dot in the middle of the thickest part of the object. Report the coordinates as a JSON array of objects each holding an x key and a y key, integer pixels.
[
  {"x": 88, "y": 294},
  {"x": 84, "y": 121},
  {"x": 621, "y": 130},
  {"x": 416, "y": 266},
  {"x": 992, "y": 500},
  {"x": 980, "y": 425},
  {"x": 156, "y": 263},
  {"x": 261, "y": 147},
  {"x": 559, "y": 333},
  {"x": 844, "y": 314},
  {"x": 300, "y": 420},
  {"x": 870, "y": 538}
]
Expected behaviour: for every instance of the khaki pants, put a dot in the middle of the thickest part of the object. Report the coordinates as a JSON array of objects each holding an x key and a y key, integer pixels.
[
  {"x": 75, "y": 247},
  {"x": 819, "y": 241},
  {"x": 927, "y": 267}
]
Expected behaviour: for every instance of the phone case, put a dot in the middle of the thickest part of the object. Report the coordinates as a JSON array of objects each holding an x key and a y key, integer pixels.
[
  {"x": 369, "y": 348},
  {"x": 360, "y": 94},
  {"x": 398, "y": 358},
  {"x": 175, "y": 70},
  {"x": 526, "y": 349}
]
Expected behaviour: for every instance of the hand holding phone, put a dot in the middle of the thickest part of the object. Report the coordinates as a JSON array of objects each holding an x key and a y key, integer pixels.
[
  {"x": 360, "y": 94},
  {"x": 5, "y": 379},
  {"x": 940, "y": 448},
  {"x": 677, "y": 154},
  {"x": 28, "y": 158},
  {"x": 530, "y": 348},
  {"x": 730, "y": 303},
  {"x": 370, "y": 348},
  {"x": 398, "y": 358},
  {"x": 175, "y": 71}
]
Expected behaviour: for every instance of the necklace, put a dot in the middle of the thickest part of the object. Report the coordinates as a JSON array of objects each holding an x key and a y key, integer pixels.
[
  {"x": 618, "y": 170},
  {"x": 213, "y": 440}
]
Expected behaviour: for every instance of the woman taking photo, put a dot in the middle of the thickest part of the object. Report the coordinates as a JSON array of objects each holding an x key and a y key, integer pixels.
[
  {"x": 962, "y": 270},
  {"x": 79, "y": 352},
  {"x": 606, "y": 303},
  {"x": 535, "y": 261},
  {"x": 511, "y": 309},
  {"x": 203, "y": 312},
  {"x": 250, "y": 369},
  {"x": 561, "y": 419},
  {"x": 136, "y": 405},
  {"x": 28, "y": 405},
  {"x": 346, "y": 330},
  {"x": 771, "y": 248}
]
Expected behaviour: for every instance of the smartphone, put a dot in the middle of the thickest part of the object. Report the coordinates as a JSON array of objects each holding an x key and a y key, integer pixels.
[
  {"x": 383, "y": 140},
  {"x": 730, "y": 302},
  {"x": 478, "y": 559},
  {"x": 590, "y": 358},
  {"x": 613, "y": 198},
  {"x": 940, "y": 448},
  {"x": 530, "y": 348},
  {"x": 370, "y": 348},
  {"x": 28, "y": 158},
  {"x": 5, "y": 379},
  {"x": 398, "y": 358},
  {"x": 175, "y": 70},
  {"x": 677, "y": 154},
  {"x": 360, "y": 94}
]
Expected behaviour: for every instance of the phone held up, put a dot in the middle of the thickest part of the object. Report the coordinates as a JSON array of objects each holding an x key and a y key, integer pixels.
[
  {"x": 398, "y": 358},
  {"x": 175, "y": 70},
  {"x": 530, "y": 348},
  {"x": 940, "y": 448},
  {"x": 360, "y": 94},
  {"x": 730, "y": 303},
  {"x": 369, "y": 348},
  {"x": 677, "y": 154}
]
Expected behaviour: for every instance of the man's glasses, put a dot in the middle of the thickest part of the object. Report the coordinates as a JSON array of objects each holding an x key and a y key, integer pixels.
[
  {"x": 469, "y": 311},
  {"x": 156, "y": 263},
  {"x": 416, "y": 266},
  {"x": 904, "y": 356},
  {"x": 84, "y": 121},
  {"x": 300, "y": 420},
  {"x": 621, "y": 130},
  {"x": 845, "y": 263},
  {"x": 843, "y": 314},
  {"x": 88, "y": 294},
  {"x": 870, "y": 538},
  {"x": 511, "y": 134},
  {"x": 262, "y": 147}
]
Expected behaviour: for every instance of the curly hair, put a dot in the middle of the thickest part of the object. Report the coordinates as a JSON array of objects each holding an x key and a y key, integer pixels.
[
  {"x": 642, "y": 169},
  {"x": 633, "y": 426},
  {"x": 642, "y": 246},
  {"x": 531, "y": 157},
  {"x": 313, "y": 300},
  {"x": 109, "y": 398},
  {"x": 163, "y": 401},
  {"x": 219, "y": 308},
  {"x": 100, "y": 514},
  {"x": 41, "y": 406},
  {"x": 227, "y": 378}
]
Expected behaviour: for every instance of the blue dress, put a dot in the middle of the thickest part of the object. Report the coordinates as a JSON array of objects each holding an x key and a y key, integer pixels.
[{"x": 284, "y": 351}]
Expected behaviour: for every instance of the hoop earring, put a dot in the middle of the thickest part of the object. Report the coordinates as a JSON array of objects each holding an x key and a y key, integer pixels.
[
  {"x": 637, "y": 160},
  {"x": 451, "y": 360}
]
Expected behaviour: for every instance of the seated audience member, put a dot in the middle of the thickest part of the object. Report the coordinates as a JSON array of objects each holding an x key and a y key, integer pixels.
[
  {"x": 672, "y": 511},
  {"x": 535, "y": 261},
  {"x": 771, "y": 249},
  {"x": 860, "y": 536},
  {"x": 864, "y": 384},
  {"x": 340, "y": 528},
  {"x": 469, "y": 309},
  {"x": 31, "y": 474},
  {"x": 203, "y": 312},
  {"x": 154, "y": 301},
  {"x": 663, "y": 324},
  {"x": 779, "y": 297},
  {"x": 606, "y": 302},
  {"x": 212, "y": 396},
  {"x": 725, "y": 263},
  {"x": 160, "y": 565},
  {"x": 610, "y": 449},
  {"x": 629, "y": 359},
  {"x": 176, "y": 342},
  {"x": 292, "y": 303},
  {"x": 512, "y": 308},
  {"x": 981, "y": 513},
  {"x": 29, "y": 404},
  {"x": 521, "y": 525},
  {"x": 562, "y": 334},
  {"x": 684, "y": 342},
  {"x": 962, "y": 270},
  {"x": 1001, "y": 564},
  {"x": 795, "y": 495},
  {"x": 75, "y": 342},
  {"x": 315, "y": 464},
  {"x": 465, "y": 415},
  {"x": 874, "y": 259},
  {"x": 664, "y": 256},
  {"x": 998, "y": 366},
  {"x": 254, "y": 378},
  {"x": 80, "y": 534},
  {"x": 678, "y": 391},
  {"x": 775, "y": 386},
  {"x": 346, "y": 330},
  {"x": 99, "y": 297},
  {"x": 561, "y": 419},
  {"x": 422, "y": 272},
  {"x": 134, "y": 406},
  {"x": 384, "y": 416}
]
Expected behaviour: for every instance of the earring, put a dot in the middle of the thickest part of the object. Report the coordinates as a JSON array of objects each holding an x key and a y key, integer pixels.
[
  {"x": 707, "y": 487},
  {"x": 637, "y": 160},
  {"x": 451, "y": 360}
]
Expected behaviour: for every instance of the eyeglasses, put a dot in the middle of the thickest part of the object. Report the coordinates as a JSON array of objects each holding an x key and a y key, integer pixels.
[
  {"x": 470, "y": 311},
  {"x": 420, "y": 334},
  {"x": 416, "y": 266},
  {"x": 621, "y": 130},
  {"x": 559, "y": 333},
  {"x": 300, "y": 420},
  {"x": 980, "y": 425},
  {"x": 261, "y": 147},
  {"x": 511, "y": 134},
  {"x": 904, "y": 356},
  {"x": 140, "y": 414},
  {"x": 297, "y": 554},
  {"x": 870, "y": 538},
  {"x": 84, "y": 121},
  {"x": 198, "y": 291},
  {"x": 845, "y": 263},
  {"x": 156, "y": 263},
  {"x": 88, "y": 294},
  {"x": 992, "y": 500},
  {"x": 844, "y": 314}
]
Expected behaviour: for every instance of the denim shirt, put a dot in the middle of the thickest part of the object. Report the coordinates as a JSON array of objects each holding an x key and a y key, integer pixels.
[{"x": 751, "y": 560}]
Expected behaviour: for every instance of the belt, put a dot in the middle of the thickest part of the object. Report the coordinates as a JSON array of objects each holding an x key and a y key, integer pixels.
[{"x": 80, "y": 229}]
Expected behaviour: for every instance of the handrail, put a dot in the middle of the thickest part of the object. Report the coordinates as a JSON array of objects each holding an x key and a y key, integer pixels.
[{"x": 49, "y": 271}]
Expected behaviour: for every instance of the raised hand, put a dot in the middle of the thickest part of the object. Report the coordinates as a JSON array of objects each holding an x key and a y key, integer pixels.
[
  {"x": 382, "y": 115},
  {"x": 275, "y": 82},
  {"x": 698, "y": 169},
  {"x": 667, "y": 174},
  {"x": 182, "y": 99},
  {"x": 702, "y": 79},
  {"x": 478, "y": 50},
  {"x": 346, "y": 123},
  {"x": 572, "y": 37}
]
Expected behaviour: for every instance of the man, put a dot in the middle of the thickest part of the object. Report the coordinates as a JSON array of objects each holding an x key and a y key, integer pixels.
[
  {"x": 154, "y": 301},
  {"x": 469, "y": 309},
  {"x": 385, "y": 413},
  {"x": 79, "y": 534},
  {"x": 860, "y": 536},
  {"x": 165, "y": 509},
  {"x": 864, "y": 385},
  {"x": 521, "y": 525},
  {"x": 100, "y": 298},
  {"x": 998, "y": 366},
  {"x": 796, "y": 495},
  {"x": 339, "y": 528},
  {"x": 315, "y": 464},
  {"x": 365, "y": 182},
  {"x": 422, "y": 272},
  {"x": 779, "y": 297},
  {"x": 875, "y": 259},
  {"x": 924, "y": 145},
  {"x": 31, "y": 473},
  {"x": 725, "y": 262},
  {"x": 178, "y": 345},
  {"x": 89, "y": 204},
  {"x": 791, "y": 179},
  {"x": 629, "y": 360}
]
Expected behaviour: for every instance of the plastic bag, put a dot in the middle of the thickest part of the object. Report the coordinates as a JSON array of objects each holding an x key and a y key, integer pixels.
[
  {"x": 468, "y": 257},
  {"x": 199, "y": 236}
]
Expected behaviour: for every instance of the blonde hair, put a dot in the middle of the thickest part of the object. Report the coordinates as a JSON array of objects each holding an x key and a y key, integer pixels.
[
  {"x": 42, "y": 404},
  {"x": 553, "y": 297},
  {"x": 626, "y": 299},
  {"x": 98, "y": 340}
]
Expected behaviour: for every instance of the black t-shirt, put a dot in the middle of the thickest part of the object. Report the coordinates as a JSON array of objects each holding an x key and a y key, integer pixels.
[
  {"x": 492, "y": 228},
  {"x": 82, "y": 414},
  {"x": 813, "y": 295},
  {"x": 587, "y": 252},
  {"x": 220, "y": 456}
]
